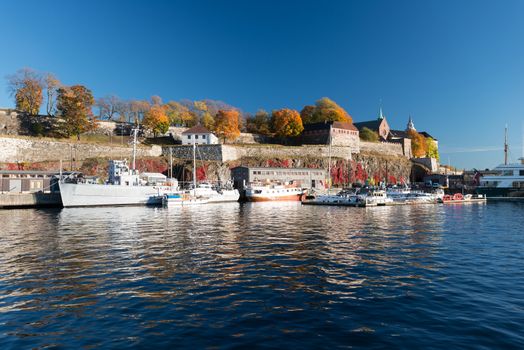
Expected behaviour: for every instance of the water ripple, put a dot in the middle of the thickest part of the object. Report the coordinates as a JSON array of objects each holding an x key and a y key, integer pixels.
[{"x": 263, "y": 275}]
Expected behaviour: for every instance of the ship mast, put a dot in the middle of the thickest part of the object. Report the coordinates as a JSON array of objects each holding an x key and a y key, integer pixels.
[
  {"x": 194, "y": 166},
  {"x": 329, "y": 158},
  {"x": 506, "y": 145},
  {"x": 135, "y": 132}
]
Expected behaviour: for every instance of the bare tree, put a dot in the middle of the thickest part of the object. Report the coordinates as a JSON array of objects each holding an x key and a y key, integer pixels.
[
  {"x": 51, "y": 85},
  {"x": 108, "y": 106}
]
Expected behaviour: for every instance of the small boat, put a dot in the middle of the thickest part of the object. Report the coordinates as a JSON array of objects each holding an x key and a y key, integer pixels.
[
  {"x": 460, "y": 198},
  {"x": 182, "y": 199},
  {"x": 216, "y": 194},
  {"x": 372, "y": 198},
  {"x": 274, "y": 192}
]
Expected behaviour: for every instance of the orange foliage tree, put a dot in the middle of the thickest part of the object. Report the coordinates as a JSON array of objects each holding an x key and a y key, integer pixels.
[
  {"x": 324, "y": 109},
  {"x": 418, "y": 144},
  {"x": 156, "y": 120},
  {"x": 74, "y": 105},
  {"x": 226, "y": 124},
  {"x": 26, "y": 86},
  {"x": 286, "y": 122}
]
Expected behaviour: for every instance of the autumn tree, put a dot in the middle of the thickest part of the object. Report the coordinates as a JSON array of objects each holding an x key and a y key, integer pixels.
[
  {"x": 307, "y": 114},
  {"x": 156, "y": 100},
  {"x": 123, "y": 109},
  {"x": 286, "y": 122},
  {"x": 26, "y": 86},
  {"x": 259, "y": 124},
  {"x": 418, "y": 143},
  {"x": 324, "y": 110},
  {"x": 226, "y": 124},
  {"x": 431, "y": 148},
  {"x": 74, "y": 105},
  {"x": 366, "y": 134},
  {"x": 51, "y": 85},
  {"x": 156, "y": 120},
  {"x": 179, "y": 114}
]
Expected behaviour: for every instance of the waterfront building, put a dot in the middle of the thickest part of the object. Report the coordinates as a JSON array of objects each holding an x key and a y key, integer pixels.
[
  {"x": 199, "y": 135},
  {"x": 301, "y": 177},
  {"x": 27, "y": 181}
]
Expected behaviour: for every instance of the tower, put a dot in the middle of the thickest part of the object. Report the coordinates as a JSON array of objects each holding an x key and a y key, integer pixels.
[
  {"x": 380, "y": 114},
  {"x": 411, "y": 125}
]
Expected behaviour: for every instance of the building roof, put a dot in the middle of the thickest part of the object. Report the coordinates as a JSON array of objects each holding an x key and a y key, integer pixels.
[
  {"x": 327, "y": 124},
  {"x": 425, "y": 134},
  {"x": 371, "y": 124},
  {"x": 399, "y": 134},
  {"x": 198, "y": 129}
]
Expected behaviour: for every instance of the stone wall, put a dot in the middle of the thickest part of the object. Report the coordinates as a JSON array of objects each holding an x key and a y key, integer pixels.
[
  {"x": 13, "y": 150},
  {"x": 383, "y": 148},
  {"x": 9, "y": 122},
  {"x": 226, "y": 153}
]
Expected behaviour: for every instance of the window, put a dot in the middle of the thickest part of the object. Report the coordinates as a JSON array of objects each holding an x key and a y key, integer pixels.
[
  {"x": 189, "y": 137},
  {"x": 204, "y": 137},
  {"x": 521, "y": 172},
  {"x": 196, "y": 137}
]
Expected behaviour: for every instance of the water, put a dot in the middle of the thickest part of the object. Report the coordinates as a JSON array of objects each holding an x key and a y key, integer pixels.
[{"x": 263, "y": 275}]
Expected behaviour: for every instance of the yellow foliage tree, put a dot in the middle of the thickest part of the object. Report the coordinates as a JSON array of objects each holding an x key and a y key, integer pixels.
[
  {"x": 324, "y": 110},
  {"x": 26, "y": 86},
  {"x": 286, "y": 122},
  {"x": 418, "y": 144},
  {"x": 226, "y": 124},
  {"x": 156, "y": 120}
]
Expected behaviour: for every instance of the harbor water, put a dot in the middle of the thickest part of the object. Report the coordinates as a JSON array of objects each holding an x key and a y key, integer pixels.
[{"x": 263, "y": 275}]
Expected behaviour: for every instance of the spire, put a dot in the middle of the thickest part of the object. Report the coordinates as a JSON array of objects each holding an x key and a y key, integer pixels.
[
  {"x": 411, "y": 125},
  {"x": 380, "y": 114}
]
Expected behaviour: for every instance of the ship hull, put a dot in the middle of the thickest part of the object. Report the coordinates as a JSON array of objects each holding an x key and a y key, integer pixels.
[
  {"x": 87, "y": 195},
  {"x": 269, "y": 198},
  {"x": 491, "y": 192}
]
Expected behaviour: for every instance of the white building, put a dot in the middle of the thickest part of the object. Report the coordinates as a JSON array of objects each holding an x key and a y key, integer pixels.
[{"x": 199, "y": 135}]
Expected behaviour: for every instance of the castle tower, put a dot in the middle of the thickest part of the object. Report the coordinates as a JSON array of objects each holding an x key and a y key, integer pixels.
[{"x": 411, "y": 125}]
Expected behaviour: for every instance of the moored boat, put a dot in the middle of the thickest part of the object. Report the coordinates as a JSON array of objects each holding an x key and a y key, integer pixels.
[{"x": 274, "y": 192}]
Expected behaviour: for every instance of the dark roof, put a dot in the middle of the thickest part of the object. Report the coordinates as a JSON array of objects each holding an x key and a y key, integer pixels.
[
  {"x": 327, "y": 124},
  {"x": 198, "y": 129},
  {"x": 371, "y": 124},
  {"x": 398, "y": 133},
  {"x": 425, "y": 134}
]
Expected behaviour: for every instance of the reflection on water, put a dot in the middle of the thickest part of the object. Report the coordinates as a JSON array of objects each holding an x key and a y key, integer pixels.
[{"x": 272, "y": 274}]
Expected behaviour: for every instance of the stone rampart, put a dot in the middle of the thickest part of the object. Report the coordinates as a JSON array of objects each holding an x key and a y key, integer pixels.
[
  {"x": 226, "y": 153},
  {"x": 9, "y": 122},
  {"x": 13, "y": 150},
  {"x": 383, "y": 148}
]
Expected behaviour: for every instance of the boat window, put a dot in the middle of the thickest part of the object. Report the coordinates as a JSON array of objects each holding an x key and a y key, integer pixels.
[
  {"x": 507, "y": 173},
  {"x": 521, "y": 172}
]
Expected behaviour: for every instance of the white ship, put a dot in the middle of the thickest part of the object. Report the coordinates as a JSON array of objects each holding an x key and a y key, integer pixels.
[{"x": 125, "y": 187}]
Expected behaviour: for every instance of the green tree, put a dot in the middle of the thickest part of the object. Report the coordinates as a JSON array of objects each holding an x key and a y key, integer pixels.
[
  {"x": 432, "y": 149},
  {"x": 366, "y": 134},
  {"x": 74, "y": 105},
  {"x": 259, "y": 124}
]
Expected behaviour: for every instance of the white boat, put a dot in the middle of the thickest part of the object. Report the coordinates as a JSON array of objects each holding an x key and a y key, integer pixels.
[
  {"x": 125, "y": 186},
  {"x": 508, "y": 181},
  {"x": 273, "y": 192},
  {"x": 372, "y": 198},
  {"x": 216, "y": 194},
  {"x": 182, "y": 199}
]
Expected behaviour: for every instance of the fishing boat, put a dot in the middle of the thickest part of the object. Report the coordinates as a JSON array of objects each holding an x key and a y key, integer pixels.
[{"x": 125, "y": 186}]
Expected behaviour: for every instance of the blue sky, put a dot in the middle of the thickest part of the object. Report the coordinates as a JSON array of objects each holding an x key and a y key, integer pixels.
[{"x": 456, "y": 66}]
